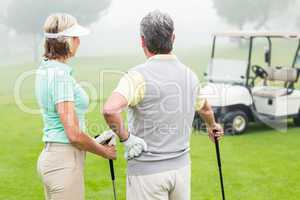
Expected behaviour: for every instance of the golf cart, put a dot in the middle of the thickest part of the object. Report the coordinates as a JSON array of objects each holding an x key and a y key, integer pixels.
[{"x": 241, "y": 91}]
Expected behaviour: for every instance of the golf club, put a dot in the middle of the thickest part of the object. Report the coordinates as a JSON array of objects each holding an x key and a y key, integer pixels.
[
  {"x": 112, "y": 170},
  {"x": 219, "y": 165},
  {"x": 112, "y": 174}
]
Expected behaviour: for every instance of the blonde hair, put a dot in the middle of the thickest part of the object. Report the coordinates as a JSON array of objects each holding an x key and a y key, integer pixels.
[{"x": 58, "y": 48}]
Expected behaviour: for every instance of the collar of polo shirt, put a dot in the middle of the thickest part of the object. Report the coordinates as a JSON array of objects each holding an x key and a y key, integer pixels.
[{"x": 163, "y": 57}]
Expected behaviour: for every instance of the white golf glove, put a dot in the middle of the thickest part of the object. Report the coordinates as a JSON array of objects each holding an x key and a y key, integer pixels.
[
  {"x": 134, "y": 146},
  {"x": 107, "y": 136}
]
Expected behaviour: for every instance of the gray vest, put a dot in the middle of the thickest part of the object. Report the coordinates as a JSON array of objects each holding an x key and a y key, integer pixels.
[{"x": 164, "y": 117}]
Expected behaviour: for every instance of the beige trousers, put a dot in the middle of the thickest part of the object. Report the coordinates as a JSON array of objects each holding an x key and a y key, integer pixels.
[
  {"x": 60, "y": 167},
  {"x": 170, "y": 185}
]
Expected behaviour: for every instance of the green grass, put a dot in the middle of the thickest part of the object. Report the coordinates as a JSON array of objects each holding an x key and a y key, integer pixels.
[
  {"x": 262, "y": 164},
  {"x": 259, "y": 165}
]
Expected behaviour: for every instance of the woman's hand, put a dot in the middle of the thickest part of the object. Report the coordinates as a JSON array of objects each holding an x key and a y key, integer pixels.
[
  {"x": 76, "y": 137},
  {"x": 110, "y": 152}
]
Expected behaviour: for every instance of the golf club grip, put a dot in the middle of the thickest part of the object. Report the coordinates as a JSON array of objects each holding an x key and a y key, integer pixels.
[{"x": 112, "y": 170}]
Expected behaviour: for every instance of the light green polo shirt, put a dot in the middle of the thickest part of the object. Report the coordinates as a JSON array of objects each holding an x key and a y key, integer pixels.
[{"x": 55, "y": 84}]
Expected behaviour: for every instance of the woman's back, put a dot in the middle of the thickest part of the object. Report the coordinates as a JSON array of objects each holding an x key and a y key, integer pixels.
[{"x": 55, "y": 84}]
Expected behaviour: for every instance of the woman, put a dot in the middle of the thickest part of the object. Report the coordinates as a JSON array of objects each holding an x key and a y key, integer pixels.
[{"x": 63, "y": 103}]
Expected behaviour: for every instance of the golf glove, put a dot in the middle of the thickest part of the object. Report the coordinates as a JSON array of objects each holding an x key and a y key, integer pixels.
[
  {"x": 134, "y": 146},
  {"x": 105, "y": 137}
]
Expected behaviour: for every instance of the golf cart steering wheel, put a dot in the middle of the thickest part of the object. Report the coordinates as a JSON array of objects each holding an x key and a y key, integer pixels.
[{"x": 259, "y": 71}]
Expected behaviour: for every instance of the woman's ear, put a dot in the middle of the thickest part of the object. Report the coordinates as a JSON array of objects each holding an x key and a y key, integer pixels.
[{"x": 76, "y": 41}]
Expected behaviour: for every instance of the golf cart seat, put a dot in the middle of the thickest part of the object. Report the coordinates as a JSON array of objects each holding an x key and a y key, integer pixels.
[
  {"x": 271, "y": 92},
  {"x": 283, "y": 74}
]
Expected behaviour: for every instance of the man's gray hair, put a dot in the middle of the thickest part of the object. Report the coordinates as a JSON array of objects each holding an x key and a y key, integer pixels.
[{"x": 157, "y": 28}]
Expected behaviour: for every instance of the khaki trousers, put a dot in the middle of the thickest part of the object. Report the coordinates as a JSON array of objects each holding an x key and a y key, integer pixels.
[
  {"x": 61, "y": 167},
  {"x": 169, "y": 185}
]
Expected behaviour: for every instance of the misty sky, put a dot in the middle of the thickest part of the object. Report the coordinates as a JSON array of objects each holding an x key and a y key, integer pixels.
[
  {"x": 195, "y": 20},
  {"x": 118, "y": 30}
]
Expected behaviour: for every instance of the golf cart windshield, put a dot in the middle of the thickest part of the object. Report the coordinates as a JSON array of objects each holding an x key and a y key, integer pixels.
[{"x": 227, "y": 71}]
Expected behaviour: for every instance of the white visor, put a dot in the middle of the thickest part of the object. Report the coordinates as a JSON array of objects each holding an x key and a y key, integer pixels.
[{"x": 74, "y": 31}]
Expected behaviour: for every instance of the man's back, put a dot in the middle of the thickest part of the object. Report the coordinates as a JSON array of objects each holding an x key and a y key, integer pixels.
[
  {"x": 162, "y": 96},
  {"x": 164, "y": 116}
]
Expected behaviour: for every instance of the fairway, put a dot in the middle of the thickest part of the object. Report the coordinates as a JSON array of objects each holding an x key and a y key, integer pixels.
[{"x": 262, "y": 164}]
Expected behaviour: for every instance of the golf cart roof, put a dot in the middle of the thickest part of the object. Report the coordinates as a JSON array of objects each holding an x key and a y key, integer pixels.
[{"x": 248, "y": 34}]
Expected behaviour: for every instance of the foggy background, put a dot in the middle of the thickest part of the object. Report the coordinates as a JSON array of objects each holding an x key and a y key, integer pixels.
[{"x": 115, "y": 23}]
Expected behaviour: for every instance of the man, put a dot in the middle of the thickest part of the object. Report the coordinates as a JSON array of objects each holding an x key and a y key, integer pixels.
[{"x": 162, "y": 96}]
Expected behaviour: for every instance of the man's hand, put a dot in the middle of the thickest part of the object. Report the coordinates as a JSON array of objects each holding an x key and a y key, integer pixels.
[
  {"x": 134, "y": 147},
  {"x": 215, "y": 131}
]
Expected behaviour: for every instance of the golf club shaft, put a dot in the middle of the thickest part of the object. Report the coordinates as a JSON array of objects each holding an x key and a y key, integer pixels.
[
  {"x": 112, "y": 174},
  {"x": 220, "y": 167}
]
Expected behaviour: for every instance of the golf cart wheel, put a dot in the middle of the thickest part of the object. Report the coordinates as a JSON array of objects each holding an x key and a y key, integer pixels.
[
  {"x": 235, "y": 122},
  {"x": 297, "y": 120}
]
